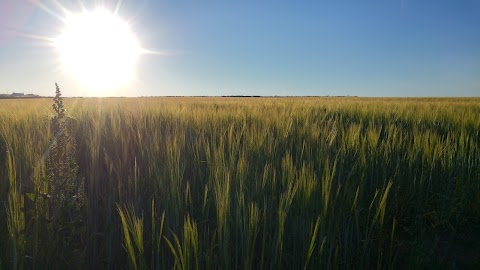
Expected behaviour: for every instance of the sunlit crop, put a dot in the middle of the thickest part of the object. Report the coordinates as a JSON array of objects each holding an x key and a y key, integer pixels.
[{"x": 260, "y": 183}]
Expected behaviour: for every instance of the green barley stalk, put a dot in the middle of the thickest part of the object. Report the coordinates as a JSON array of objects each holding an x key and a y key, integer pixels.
[
  {"x": 186, "y": 253},
  {"x": 311, "y": 247},
  {"x": 133, "y": 236},
  {"x": 15, "y": 216},
  {"x": 157, "y": 235}
]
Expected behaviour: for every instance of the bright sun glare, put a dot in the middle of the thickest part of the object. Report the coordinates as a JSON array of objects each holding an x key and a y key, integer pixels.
[{"x": 98, "y": 48}]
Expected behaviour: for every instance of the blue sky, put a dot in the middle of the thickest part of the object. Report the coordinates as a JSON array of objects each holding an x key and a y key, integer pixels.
[{"x": 363, "y": 48}]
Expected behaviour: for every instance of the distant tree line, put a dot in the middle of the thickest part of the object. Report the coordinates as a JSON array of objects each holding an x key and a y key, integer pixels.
[{"x": 18, "y": 95}]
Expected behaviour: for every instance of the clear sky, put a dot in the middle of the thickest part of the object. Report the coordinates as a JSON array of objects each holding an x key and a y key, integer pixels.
[{"x": 213, "y": 47}]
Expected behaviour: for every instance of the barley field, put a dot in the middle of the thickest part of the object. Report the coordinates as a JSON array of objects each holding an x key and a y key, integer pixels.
[{"x": 240, "y": 183}]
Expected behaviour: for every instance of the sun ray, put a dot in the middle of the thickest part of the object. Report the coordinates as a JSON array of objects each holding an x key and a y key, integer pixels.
[
  {"x": 47, "y": 10},
  {"x": 36, "y": 37},
  {"x": 117, "y": 7},
  {"x": 60, "y": 7},
  {"x": 154, "y": 52},
  {"x": 81, "y": 5}
]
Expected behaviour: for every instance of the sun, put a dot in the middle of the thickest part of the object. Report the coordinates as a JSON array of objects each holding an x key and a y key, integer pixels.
[{"x": 98, "y": 48}]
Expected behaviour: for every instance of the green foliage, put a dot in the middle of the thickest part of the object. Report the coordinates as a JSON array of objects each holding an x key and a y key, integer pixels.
[
  {"x": 186, "y": 252},
  {"x": 133, "y": 233},
  {"x": 15, "y": 217},
  {"x": 301, "y": 183}
]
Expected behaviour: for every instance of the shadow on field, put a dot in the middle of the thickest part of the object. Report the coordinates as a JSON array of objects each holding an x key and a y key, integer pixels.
[{"x": 440, "y": 249}]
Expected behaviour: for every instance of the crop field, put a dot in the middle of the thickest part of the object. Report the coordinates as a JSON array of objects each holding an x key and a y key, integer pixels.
[{"x": 240, "y": 183}]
